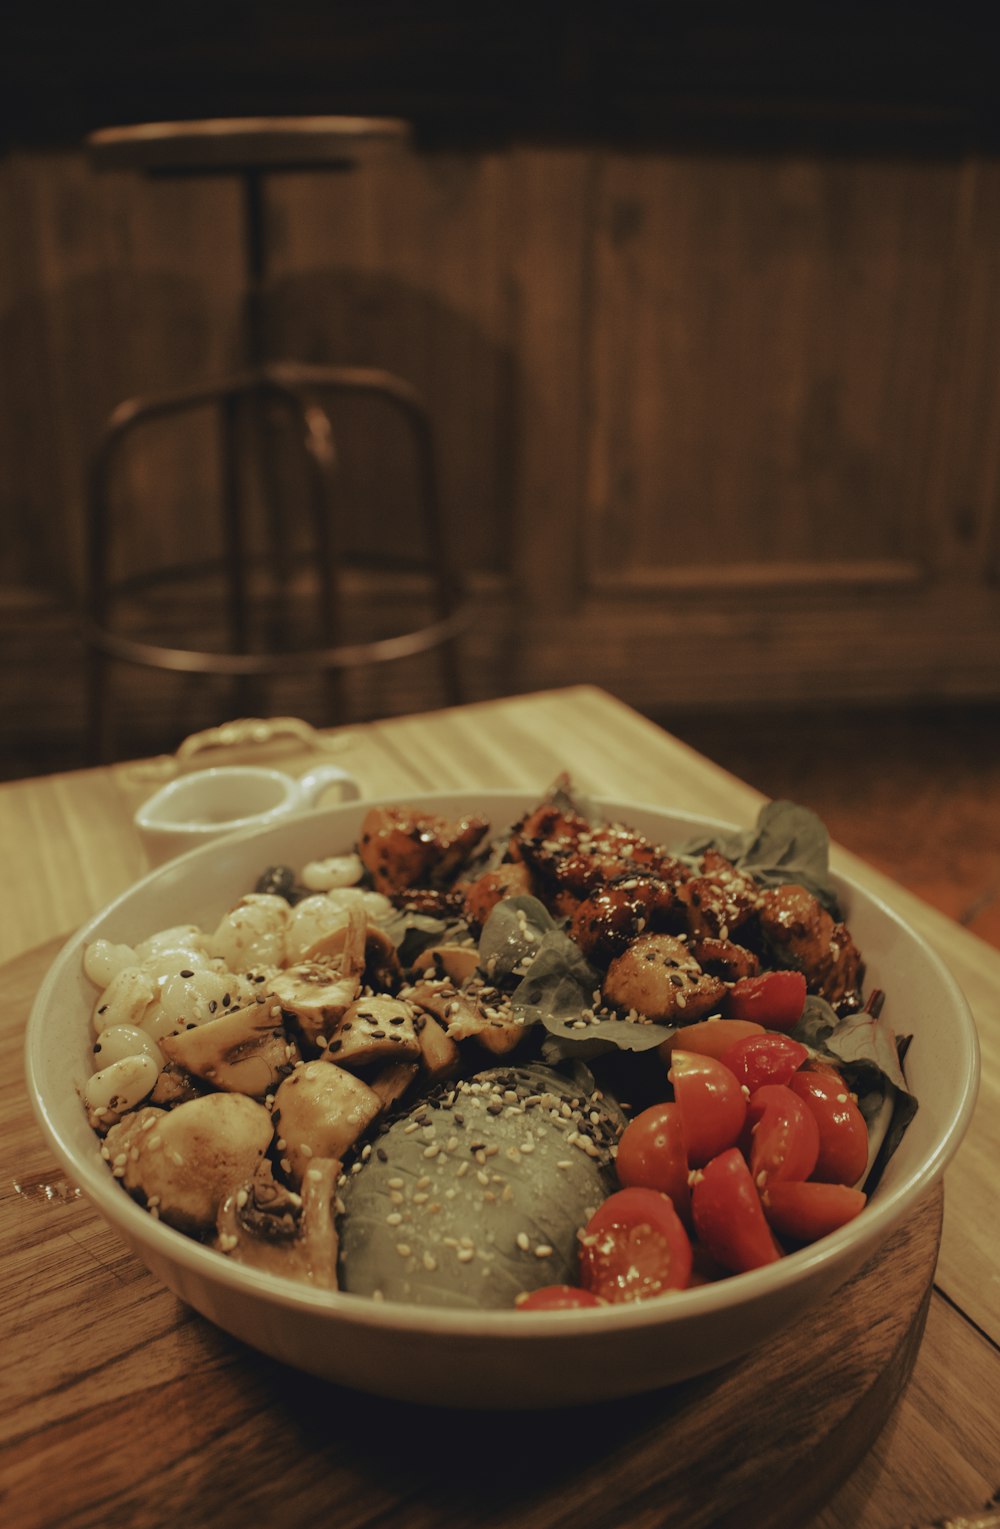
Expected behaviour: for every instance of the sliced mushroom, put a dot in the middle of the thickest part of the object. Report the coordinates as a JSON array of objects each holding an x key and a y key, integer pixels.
[
  {"x": 657, "y": 976},
  {"x": 456, "y": 962},
  {"x": 320, "y": 1110},
  {"x": 246, "y": 1052},
  {"x": 268, "y": 1227},
  {"x": 368, "y": 951},
  {"x": 316, "y": 993},
  {"x": 472, "y": 1011},
  {"x": 375, "y": 1028},
  {"x": 174, "y": 1086},
  {"x": 438, "y": 1052},
  {"x": 393, "y": 1081},
  {"x": 183, "y": 1162}
]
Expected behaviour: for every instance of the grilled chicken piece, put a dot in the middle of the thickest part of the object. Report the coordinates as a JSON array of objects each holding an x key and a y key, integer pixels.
[
  {"x": 403, "y": 847},
  {"x": 571, "y": 857},
  {"x": 719, "y": 899},
  {"x": 481, "y": 896},
  {"x": 803, "y": 935},
  {"x": 725, "y": 959},
  {"x": 613, "y": 916},
  {"x": 657, "y": 976}
]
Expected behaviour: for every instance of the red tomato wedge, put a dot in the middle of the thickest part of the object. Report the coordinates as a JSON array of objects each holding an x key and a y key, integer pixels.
[
  {"x": 712, "y": 1104},
  {"x": 709, "y": 1037},
  {"x": 766, "y": 1058},
  {"x": 843, "y": 1133},
  {"x": 784, "y": 1136},
  {"x": 556, "y": 1298},
  {"x": 806, "y": 1212},
  {"x": 774, "y": 999},
  {"x": 728, "y": 1216},
  {"x": 652, "y": 1155},
  {"x": 634, "y": 1247}
]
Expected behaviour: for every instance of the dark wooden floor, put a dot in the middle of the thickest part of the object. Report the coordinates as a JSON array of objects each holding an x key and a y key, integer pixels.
[{"x": 914, "y": 791}]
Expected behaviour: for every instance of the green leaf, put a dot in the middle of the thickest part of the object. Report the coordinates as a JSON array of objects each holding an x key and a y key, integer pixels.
[
  {"x": 788, "y": 845},
  {"x": 513, "y": 935},
  {"x": 864, "y": 1048}
]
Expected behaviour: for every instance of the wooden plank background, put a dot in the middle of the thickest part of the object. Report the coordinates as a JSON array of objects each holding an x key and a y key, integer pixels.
[{"x": 713, "y": 428}]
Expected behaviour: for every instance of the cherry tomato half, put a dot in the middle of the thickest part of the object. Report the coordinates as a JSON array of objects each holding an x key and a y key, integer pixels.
[
  {"x": 712, "y": 1104},
  {"x": 634, "y": 1247},
  {"x": 774, "y": 999},
  {"x": 806, "y": 1212},
  {"x": 709, "y": 1037},
  {"x": 784, "y": 1139},
  {"x": 556, "y": 1298},
  {"x": 728, "y": 1216},
  {"x": 766, "y": 1058},
  {"x": 652, "y": 1155},
  {"x": 843, "y": 1134}
]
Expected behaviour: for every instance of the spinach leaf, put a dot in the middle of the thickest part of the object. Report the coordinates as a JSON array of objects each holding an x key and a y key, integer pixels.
[
  {"x": 412, "y": 932},
  {"x": 557, "y": 983},
  {"x": 870, "y": 1056},
  {"x": 512, "y": 936},
  {"x": 788, "y": 844}
]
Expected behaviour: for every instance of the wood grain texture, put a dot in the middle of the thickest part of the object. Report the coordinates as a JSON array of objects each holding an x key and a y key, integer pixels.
[{"x": 93, "y": 1344}]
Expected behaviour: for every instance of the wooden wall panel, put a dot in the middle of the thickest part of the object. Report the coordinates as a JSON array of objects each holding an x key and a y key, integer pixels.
[
  {"x": 712, "y": 427},
  {"x": 767, "y": 344}
]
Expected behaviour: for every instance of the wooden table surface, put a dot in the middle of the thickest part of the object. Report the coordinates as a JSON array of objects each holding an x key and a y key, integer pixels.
[{"x": 83, "y": 1440}]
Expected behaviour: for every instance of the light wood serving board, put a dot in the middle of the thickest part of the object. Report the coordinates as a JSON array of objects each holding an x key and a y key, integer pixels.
[{"x": 119, "y": 1402}]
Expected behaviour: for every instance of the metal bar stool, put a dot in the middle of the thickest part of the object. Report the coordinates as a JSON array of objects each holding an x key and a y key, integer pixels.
[{"x": 296, "y": 394}]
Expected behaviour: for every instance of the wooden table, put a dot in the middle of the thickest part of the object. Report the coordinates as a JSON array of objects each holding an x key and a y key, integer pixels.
[{"x": 118, "y": 1402}]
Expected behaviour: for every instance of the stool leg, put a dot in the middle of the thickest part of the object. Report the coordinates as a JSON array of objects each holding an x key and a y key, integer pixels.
[
  {"x": 246, "y": 691},
  {"x": 266, "y": 413},
  {"x": 446, "y": 601},
  {"x": 321, "y": 457}
]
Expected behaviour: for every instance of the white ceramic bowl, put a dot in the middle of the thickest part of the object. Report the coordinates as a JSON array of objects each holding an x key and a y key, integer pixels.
[{"x": 493, "y": 1358}]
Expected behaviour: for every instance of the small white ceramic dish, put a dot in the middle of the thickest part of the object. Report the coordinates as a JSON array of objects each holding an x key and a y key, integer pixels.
[
  {"x": 199, "y": 808},
  {"x": 494, "y": 1358}
]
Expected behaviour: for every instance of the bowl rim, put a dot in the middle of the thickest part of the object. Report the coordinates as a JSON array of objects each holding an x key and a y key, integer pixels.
[{"x": 860, "y": 1237}]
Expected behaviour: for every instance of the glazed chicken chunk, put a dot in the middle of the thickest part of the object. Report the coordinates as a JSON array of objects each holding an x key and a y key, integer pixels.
[
  {"x": 802, "y": 934},
  {"x": 403, "y": 847}
]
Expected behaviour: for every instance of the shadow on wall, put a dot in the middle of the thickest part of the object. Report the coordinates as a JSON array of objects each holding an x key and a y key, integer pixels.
[{"x": 78, "y": 350}]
